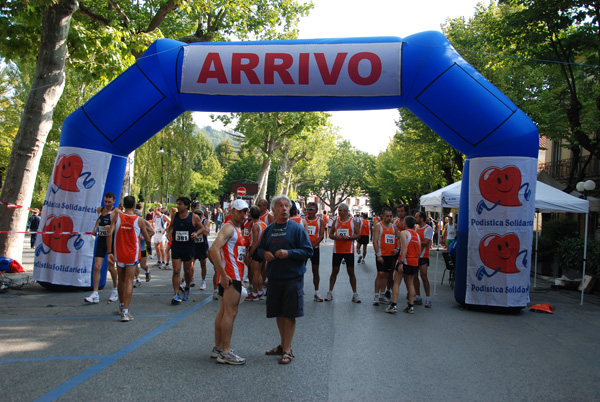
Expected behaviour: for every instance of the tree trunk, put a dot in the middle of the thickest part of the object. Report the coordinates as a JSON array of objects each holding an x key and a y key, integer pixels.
[
  {"x": 263, "y": 178},
  {"x": 47, "y": 87}
]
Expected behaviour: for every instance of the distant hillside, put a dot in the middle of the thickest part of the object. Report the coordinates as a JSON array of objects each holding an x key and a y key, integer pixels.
[{"x": 216, "y": 136}]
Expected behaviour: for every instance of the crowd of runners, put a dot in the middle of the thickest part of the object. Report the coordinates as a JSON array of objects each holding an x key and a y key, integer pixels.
[{"x": 262, "y": 252}]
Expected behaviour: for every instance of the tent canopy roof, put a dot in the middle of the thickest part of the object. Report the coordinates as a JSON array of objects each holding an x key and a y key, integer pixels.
[{"x": 547, "y": 199}]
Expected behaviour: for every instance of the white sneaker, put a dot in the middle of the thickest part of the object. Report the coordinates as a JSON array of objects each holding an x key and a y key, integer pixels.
[
  {"x": 114, "y": 296},
  {"x": 329, "y": 296},
  {"x": 126, "y": 317},
  {"x": 384, "y": 300},
  {"x": 216, "y": 295},
  {"x": 93, "y": 298},
  {"x": 203, "y": 286},
  {"x": 376, "y": 300},
  {"x": 216, "y": 352},
  {"x": 418, "y": 301},
  {"x": 355, "y": 298},
  {"x": 230, "y": 358},
  {"x": 427, "y": 303}
]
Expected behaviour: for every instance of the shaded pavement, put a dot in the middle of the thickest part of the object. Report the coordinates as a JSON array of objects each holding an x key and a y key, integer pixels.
[{"x": 55, "y": 347}]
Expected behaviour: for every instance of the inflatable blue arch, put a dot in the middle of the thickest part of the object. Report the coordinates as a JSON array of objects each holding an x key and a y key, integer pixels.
[{"x": 422, "y": 72}]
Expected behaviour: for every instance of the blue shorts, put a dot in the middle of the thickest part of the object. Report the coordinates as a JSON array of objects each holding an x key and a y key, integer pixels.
[{"x": 285, "y": 298}]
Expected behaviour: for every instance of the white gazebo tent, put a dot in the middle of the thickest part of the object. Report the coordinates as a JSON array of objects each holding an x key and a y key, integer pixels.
[{"x": 547, "y": 200}]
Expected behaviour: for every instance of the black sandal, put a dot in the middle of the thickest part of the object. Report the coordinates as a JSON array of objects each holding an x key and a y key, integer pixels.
[
  {"x": 286, "y": 358},
  {"x": 275, "y": 351}
]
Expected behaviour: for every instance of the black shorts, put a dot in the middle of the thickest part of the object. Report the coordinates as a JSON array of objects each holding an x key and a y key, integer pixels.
[
  {"x": 256, "y": 257},
  {"x": 316, "y": 257},
  {"x": 144, "y": 254},
  {"x": 424, "y": 261},
  {"x": 410, "y": 269},
  {"x": 100, "y": 250},
  {"x": 237, "y": 285},
  {"x": 201, "y": 251},
  {"x": 337, "y": 258},
  {"x": 184, "y": 253},
  {"x": 285, "y": 298},
  {"x": 363, "y": 239},
  {"x": 389, "y": 261}
]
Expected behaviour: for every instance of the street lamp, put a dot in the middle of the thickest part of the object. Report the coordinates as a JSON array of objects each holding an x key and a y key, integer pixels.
[
  {"x": 161, "y": 151},
  {"x": 584, "y": 187}
]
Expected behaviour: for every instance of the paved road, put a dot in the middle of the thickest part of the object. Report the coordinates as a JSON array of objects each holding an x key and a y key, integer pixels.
[{"x": 54, "y": 347}]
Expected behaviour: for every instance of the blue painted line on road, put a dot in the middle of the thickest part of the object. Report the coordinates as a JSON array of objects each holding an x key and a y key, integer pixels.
[
  {"x": 82, "y": 318},
  {"x": 106, "y": 362},
  {"x": 51, "y": 358}
]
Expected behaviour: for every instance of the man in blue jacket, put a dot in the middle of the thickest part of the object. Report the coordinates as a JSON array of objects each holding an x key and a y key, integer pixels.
[{"x": 285, "y": 246}]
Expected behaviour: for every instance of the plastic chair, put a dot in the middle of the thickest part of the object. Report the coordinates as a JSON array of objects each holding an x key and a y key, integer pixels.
[{"x": 450, "y": 268}]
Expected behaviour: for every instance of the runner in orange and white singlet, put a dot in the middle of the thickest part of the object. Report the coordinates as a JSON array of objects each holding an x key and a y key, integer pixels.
[
  {"x": 256, "y": 274},
  {"x": 228, "y": 252},
  {"x": 425, "y": 232},
  {"x": 316, "y": 232},
  {"x": 385, "y": 245},
  {"x": 343, "y": 232},
  {"x": 326, "y": 218},
  {"x": 295, "y": 216},
  {"x": 408, "y": 265},
  {"x": 363, "y": 240},
  {"x": 125, "y": 229},
  {"x": 265, "y": 215}
]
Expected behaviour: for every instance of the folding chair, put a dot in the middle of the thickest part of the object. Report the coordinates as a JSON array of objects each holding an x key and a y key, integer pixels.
[{"x": 450, "y": 268}]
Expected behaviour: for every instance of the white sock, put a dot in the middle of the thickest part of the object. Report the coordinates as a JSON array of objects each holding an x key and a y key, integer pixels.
[
  {"x": 376, "y": 294},
  {"x": 428, "y": 299},
  {"x": 125, "y": 311},
  {"x": 94, "y": 293}
]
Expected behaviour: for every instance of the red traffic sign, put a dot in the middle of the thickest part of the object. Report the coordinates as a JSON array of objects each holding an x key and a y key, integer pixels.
[{"x": 241, "y": 191}]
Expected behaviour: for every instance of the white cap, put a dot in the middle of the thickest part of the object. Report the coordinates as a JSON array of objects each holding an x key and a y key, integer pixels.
[{"x": 239, "y": 204}]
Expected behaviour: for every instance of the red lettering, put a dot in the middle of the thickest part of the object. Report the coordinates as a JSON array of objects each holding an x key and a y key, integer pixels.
[
  {"x": 375, "y": 68},
  {"x": 212, "y": 59},
  {"x": 330, "y": 77},
  {"x": 248, "y": 68},
  {"x": 271, "y": 68},
  {"x": 303, "y": 68}
]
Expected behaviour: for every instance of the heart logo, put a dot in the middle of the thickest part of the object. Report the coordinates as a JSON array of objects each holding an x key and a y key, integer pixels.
[
  {"x": 57, "y": 242},
  {"x": 501, "y": 186},
  {"x": 500, "y": 252},
  {"x": 66, "y": 172}
]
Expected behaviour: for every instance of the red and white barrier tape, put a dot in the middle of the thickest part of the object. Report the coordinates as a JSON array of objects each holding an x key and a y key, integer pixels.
[
  {"x": 8, "y": 205},
  {"x": 60, "y": 233}
]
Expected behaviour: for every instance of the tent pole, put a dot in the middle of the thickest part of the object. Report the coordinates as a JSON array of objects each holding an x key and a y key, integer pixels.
[
  {"x": 584, "y": 257},
  {"x": 537, "y": 236},
  {"x": 437, "y": 256}
]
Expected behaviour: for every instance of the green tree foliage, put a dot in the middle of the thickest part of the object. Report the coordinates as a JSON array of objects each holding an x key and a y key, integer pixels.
[
  {"x": 544, "y": 56},
  {"x": 345, "y": 176},
  {"x": 267, "y": 133},
  {"x": 416, "y": 162}
]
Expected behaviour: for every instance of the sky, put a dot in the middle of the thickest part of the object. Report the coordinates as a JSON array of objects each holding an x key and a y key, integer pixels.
[{"x": 371, "y": 130}]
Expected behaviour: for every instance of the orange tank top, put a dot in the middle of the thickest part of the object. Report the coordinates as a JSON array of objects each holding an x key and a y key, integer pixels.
[
  {"x": 262, "y": 226},
  {"x": 425, "y": 232},
  {"x": 265, "y": 217},
  {"x": 413, "y": 249},
  {"x": 314, "y": 228},
  {"x": 297, "y": 219},
  {"x": 344, "y": 229},
  {"x": 127, "y": 244},
  {"x": 365, "y": 229},
  {"x": 247, "y": 231},
  {"x": 388, "y": 241},
  {"x": 233, "y": 254}
]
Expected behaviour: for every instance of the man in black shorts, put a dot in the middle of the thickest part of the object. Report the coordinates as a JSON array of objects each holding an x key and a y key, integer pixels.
[
  {"x": 285, "y": 246},
  {"x": 344, "y": 231},
  {"x": 385, "y": 244},
  {"x": 183, "y": 230}
]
